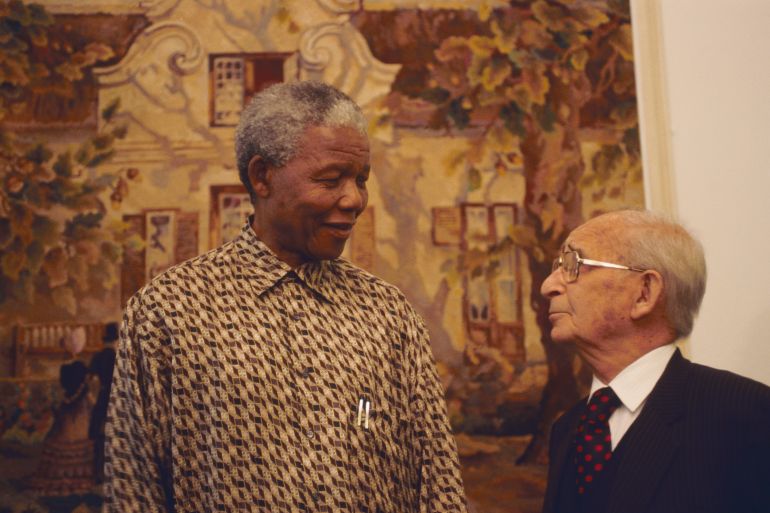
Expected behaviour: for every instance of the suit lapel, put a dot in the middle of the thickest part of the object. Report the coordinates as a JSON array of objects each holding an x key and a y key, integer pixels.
[
  {"x": 652, "y": 442},
  {"x": 561, "y": 440}
]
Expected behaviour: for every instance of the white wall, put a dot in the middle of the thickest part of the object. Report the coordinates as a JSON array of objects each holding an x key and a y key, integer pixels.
[{"x": 716, "y": 58}]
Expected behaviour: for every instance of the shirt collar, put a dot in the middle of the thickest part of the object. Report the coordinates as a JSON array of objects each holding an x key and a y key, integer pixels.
[
  {"x": 264, "y": 269},
  {"x": 635, "y": 382},
  {"x": 320, "y": 276}
]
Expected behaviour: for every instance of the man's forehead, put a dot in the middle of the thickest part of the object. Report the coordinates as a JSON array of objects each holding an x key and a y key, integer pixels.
[
  {"x": 588, "y": 238},
  {"x": 574, "y": 240}
]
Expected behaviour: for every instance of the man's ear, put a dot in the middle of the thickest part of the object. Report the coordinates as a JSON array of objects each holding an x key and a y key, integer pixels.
[
  {"x": 649, "y": 294},
  {"x": 259, "y": 176}
]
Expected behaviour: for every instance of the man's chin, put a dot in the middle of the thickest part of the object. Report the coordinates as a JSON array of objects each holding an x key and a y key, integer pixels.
[
  {"x": 328, "y": 251},
  {"x": 560, "y": 337}
]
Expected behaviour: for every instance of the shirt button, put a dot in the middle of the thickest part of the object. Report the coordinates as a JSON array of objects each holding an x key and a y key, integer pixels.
[
  {"x": 306, "y": 372},
  {"x": 309, "y": 433}
]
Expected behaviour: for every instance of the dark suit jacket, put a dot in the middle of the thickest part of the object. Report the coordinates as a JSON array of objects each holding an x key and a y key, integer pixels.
[{"x": 700, "y": 445}]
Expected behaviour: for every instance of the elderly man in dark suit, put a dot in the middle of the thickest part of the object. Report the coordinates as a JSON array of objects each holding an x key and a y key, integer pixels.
[{"x": 658, "y": 433}]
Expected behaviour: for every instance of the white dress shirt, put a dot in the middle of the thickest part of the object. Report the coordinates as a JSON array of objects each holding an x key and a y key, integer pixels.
[{"x": 632, "y": 386}]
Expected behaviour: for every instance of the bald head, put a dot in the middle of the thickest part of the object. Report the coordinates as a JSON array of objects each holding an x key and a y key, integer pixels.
[{"x": 646, "y": 240}]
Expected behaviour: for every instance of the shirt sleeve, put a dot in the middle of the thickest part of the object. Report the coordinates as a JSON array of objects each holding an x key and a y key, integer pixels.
[
  {"x": 441, "y": 486},
  {"x": 138, "y": 472}
]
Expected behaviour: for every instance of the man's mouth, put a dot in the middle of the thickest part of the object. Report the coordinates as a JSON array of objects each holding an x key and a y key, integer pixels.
[{"x": 340, "y": 230}]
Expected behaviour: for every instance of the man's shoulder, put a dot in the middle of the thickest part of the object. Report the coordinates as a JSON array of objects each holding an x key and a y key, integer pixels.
[
  {"x": 712, "y": 383},
  {"x": 203, "y": 263},
  {"x": 365, "y": 281},
  {"x": 185, "y": 274}
]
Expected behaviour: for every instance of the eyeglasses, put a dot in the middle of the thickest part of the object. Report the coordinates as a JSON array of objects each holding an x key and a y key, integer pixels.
[{"x": 570, "y": 262}]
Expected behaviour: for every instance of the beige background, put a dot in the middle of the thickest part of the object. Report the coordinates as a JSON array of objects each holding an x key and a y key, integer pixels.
[{"x": 708, "y": 90}]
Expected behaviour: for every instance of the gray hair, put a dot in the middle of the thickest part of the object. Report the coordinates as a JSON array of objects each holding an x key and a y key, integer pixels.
[
  {"x": 648, "y": 240},
  {"x": 273, "y": 122}
]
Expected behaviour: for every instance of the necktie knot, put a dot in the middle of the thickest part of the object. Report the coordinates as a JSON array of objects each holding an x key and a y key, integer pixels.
[{"x": 602, "y": 404}]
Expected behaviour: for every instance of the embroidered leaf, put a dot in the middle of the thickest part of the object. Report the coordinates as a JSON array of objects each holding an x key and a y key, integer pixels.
[
  {"x": 55, "y": 267},
  {"x": 622, "y": 41}
]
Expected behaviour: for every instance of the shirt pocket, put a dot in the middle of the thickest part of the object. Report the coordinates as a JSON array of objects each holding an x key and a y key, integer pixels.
[{"x": 394, "y": 454}]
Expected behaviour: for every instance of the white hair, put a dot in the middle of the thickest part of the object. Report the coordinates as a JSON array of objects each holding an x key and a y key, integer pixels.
[
  {"x": 648, "y": 240},
  {"x": 273, "y": 122}
]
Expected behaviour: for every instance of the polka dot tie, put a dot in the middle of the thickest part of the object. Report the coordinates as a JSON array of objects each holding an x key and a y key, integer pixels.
[{"x": 593, "y": 443}]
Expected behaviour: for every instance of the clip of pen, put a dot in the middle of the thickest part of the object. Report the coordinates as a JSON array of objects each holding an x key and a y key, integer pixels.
[{"x": 363, "y": 413}]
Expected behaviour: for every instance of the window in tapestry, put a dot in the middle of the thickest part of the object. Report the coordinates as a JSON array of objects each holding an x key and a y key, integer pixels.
[{"x": 236, "y": 77}]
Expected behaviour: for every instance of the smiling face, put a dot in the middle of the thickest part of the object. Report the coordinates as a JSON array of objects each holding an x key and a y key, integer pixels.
[
  {"x": 305, "y": 210},
  {"x": 595, "y": 309}
]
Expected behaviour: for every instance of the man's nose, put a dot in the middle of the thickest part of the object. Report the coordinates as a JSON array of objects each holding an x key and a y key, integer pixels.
[
  {"x": 553, "y": 285},
  {"x": 352, "y": 197}
]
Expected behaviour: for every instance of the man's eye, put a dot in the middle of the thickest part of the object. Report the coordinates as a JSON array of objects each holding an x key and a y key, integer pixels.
[{"x": 361, "y": 180}]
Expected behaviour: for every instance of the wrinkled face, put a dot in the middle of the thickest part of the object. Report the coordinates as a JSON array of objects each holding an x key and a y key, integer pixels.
[
  {"x": 595, "y": 309},
  {"x": 314, "y": 200}
]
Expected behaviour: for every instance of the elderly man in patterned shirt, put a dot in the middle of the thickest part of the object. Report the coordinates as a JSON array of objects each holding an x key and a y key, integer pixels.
[{"x": 269, "y": 374}]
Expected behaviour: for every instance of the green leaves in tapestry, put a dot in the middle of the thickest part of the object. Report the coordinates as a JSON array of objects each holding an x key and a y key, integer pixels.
[
  {"x": 54, "y": 234},
  {"x": 549, "y": 72}
]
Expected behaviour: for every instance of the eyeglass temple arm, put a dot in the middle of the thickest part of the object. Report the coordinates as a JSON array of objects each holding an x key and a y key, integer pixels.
[{"x": 597, "y": 263}]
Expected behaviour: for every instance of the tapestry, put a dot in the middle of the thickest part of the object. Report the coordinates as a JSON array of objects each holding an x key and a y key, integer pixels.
[{"x": 496, "y": 127}]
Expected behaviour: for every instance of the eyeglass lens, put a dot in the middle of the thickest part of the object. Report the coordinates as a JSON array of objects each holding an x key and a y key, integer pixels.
[
  {"x": 568, "y": 262},
  {"x": 570, "y": 265}
]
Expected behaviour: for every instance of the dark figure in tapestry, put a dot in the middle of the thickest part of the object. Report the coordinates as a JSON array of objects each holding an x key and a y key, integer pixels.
[
  {"x": 102, "y": 365},
  {"x": 66, "y": 465}
]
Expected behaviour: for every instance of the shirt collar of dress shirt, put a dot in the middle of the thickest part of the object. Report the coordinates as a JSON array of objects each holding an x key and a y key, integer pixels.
[
  {"x": 635, "y": 382},
  {"x": 264, "y": 269}
]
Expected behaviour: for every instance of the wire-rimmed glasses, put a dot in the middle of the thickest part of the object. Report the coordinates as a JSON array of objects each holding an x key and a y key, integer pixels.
[{"x": 570, "y": 261}]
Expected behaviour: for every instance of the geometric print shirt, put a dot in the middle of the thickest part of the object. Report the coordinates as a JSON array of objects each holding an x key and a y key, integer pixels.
[{"x": 243, "y": 385}]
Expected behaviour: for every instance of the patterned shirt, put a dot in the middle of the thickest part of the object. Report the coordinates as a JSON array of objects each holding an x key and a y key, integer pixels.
[{"x": 244, "y": 385}]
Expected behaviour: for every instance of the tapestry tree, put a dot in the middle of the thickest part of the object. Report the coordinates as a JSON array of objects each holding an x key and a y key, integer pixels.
[{"x": 532, "y": 83}]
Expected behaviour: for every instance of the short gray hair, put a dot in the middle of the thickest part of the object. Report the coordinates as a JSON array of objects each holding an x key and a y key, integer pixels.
[
  {"x": 648, "y": 240},
  {"x": 273, "y": 122}
]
